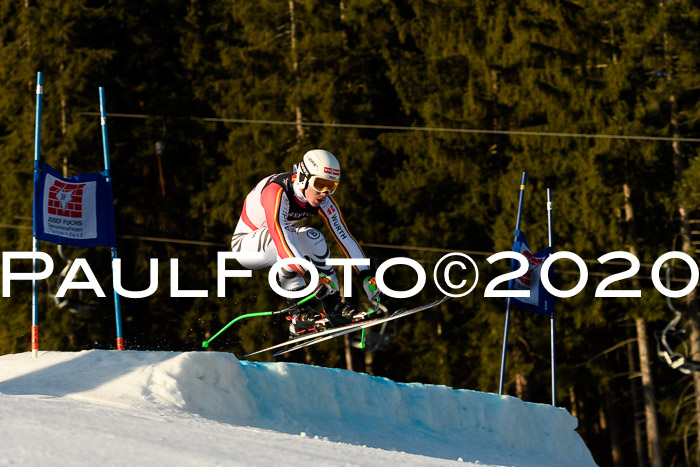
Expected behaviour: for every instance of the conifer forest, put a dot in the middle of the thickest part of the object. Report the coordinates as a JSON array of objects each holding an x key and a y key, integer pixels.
[{"x": 434, "y": 108}]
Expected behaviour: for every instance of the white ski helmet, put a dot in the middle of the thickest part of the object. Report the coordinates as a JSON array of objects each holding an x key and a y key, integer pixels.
[{"x": 319, "y": 169}]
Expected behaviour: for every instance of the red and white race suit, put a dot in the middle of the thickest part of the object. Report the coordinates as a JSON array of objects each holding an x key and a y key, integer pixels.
[{"x": 269, "y": 224}]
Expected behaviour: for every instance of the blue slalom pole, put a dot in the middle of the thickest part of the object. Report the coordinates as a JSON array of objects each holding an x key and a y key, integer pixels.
[
  {"x": 551, "y": 314},
  {"x": 35, "y": 242},
  {"x": 507, "y": 323},
  {"x": 105, "y": 150}
]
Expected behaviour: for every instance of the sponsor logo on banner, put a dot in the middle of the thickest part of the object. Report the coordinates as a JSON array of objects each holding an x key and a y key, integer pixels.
[
  {"x": 535, "y": 264},
  {"x": 530, "y": 280},
  {"x": 70, "y": 208}
]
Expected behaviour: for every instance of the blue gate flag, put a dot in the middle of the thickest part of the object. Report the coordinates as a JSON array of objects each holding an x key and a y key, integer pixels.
[
  {"x": 76, "y": 211},
  {"x": 540, "y": 301}
]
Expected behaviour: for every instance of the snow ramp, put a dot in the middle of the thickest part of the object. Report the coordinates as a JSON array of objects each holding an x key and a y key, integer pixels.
[{"x": 332, "y": 404}]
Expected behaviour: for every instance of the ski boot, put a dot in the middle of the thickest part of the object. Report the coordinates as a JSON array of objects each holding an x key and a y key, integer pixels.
[
  {"x": 303, "y": 319},
  {"x": 337, "y": 312},
  {"x": 343, "y": 313}
]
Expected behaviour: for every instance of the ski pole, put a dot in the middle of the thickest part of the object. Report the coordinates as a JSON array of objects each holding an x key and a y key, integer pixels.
[
  {"x": 205, "y": 344},
  {"x": 362, "y": 340}
]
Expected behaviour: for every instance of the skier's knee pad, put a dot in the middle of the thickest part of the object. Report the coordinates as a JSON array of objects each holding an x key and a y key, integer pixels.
[{"x": 289, "y": 279}]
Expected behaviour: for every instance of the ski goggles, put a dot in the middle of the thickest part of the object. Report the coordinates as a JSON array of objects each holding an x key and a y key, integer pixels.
[{"x": 323, "y": 184}]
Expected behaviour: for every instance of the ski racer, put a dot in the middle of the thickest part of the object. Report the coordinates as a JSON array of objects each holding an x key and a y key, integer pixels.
[{"x": 269, "y": 224}]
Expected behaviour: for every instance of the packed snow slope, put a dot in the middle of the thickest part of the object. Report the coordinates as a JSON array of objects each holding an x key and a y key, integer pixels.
[{"x": 201, "y": 408}]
